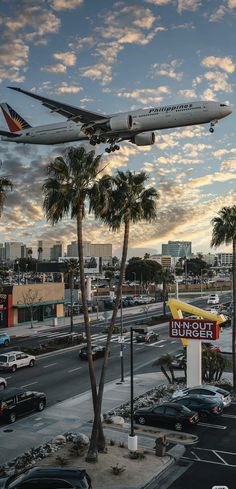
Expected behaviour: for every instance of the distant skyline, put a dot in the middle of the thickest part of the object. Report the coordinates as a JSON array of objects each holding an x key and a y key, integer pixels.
[{"x": 117, "y": 56}]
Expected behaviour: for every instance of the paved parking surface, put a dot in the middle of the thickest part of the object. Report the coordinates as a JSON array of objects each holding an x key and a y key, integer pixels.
[{"x": 212, "y": 461}]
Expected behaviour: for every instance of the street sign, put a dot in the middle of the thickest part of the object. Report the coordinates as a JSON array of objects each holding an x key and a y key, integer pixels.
[
  {"x": 194, "y": 329},
  {"x": 121, "y": 339}
]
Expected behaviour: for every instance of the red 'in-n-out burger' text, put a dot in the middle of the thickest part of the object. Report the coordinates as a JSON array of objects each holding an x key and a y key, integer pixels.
[{"x": 200, "y": 329}]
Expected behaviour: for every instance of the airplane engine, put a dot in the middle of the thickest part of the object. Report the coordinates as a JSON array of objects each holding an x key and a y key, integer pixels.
[
  {"x": 144, "y": 139},
  {"x": 121, "y": 123}
]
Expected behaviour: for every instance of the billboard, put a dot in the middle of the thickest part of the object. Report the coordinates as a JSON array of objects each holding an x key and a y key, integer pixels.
[
  {"x": 91, "y": 263},
  {"x": 194, "y": 329}
]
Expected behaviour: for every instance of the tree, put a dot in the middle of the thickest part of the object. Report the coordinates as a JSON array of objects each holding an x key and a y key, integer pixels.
[
  {"x": 165, "y": 277},
  {"x": 72, "y": 270},
  {"x": 165, "y": 364},
  {"x": 65, "y": 192},
  {"x": 213, "y": 365},
  {"x": 5, "y": 186},
  {"x": 144, "y": 270},
  {"x": 31, "y": 299},
  {"x": 40, "y": 253},
  {"x": 224, "y": 232},
  {"x": 119, "y": 200}
]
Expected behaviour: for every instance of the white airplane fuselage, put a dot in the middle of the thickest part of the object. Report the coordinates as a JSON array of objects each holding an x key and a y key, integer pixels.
[{"x": 143, "y": 120}]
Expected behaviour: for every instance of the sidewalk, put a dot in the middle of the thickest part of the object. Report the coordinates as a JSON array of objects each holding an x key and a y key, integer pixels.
[{"x": 69, "y": 415}]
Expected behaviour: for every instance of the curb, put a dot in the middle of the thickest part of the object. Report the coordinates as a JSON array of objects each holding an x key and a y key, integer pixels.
[{"x": 158, "y": 476}]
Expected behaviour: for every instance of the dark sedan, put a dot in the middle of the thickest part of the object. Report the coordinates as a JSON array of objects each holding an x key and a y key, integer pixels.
[
  {"x": 168, "y": 413},
  {"x": 147, "y": 337},
  {"x": 48, "y": 477},
  {"x": 97, "y": 352},
  {"x": 205, "y": 406}
]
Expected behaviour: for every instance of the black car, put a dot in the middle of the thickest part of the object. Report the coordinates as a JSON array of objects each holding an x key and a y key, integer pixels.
[
  {"x": 48, "y": 478},
  {"x": 168, "y": 413},
  {"x": 146, "y": 336},
  {"x": 16, "y": 402},
  {"x": 97, "y": 352},
  {"x": 205, "y": 406}
]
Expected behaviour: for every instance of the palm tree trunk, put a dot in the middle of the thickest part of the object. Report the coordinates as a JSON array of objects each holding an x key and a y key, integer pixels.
[
  {"x": 93, "y": 456},
  {"x": 97, "y": 417},
  {"x": 164, "y": 299},
  {"x": 234, "y": 316},
  {"x": 71, "y": 301}
]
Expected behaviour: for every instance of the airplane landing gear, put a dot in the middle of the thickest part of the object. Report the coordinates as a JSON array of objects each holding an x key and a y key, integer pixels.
[
  {"x": 211, "y": 129},
  {"x": 112, "y": 148}
]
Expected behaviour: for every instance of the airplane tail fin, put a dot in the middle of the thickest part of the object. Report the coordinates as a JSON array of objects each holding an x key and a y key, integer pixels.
[{"x": 14, "y": 121}]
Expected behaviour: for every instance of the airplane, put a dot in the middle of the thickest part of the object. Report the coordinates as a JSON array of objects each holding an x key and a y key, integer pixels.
[{"x": 135, "y": 126}]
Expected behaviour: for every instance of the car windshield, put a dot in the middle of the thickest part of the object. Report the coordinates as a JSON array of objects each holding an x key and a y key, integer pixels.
[{"x": 3, "y": 358}]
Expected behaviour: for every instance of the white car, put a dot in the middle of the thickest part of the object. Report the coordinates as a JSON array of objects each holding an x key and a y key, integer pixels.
[
  {"x": 3, "y": 383},
  {"x": 13, "y": 360},
  {"x": 206, "y": 390},
  {"x": 213, "y": 299}
]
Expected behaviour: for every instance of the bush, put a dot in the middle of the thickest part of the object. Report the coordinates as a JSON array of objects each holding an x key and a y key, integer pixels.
[
  {"x": 61, "y": 461},
  {"x": 118, "y": 469}
]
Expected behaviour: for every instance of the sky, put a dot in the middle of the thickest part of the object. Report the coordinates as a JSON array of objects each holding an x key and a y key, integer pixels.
[{"x": 113, "y": 56}]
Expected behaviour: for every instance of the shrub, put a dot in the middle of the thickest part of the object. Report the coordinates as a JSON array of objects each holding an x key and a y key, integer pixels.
[
  {"x": 137, "y": 455},
  {"x": 61, "y": 461},
  {"x": 112, "y": 443},
  {"x": 118, "y": 469}
]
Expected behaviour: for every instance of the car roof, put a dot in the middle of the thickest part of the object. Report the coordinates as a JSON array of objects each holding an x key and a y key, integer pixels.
[
  {"x": 195, "y": 397},
  {"x": 55, "y": 472},
  {"x": 13, "y": 352},
  {"x": 12, "y": 391}
]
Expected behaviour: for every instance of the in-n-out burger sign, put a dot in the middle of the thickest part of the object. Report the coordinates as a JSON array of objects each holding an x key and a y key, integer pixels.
[{"x": 194, "y": 329}]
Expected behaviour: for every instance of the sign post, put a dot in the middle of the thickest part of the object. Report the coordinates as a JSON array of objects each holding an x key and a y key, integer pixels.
[{"x": 194, "y": 330}]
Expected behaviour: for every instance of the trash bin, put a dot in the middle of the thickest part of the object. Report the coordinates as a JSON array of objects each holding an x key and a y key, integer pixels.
[
  {"x": 55, "y": 322},
  {"x": 160, "y": 446}
]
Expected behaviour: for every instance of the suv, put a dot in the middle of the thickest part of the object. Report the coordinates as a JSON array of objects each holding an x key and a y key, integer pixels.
[
  {"x": 13, "y": 360},
  {"x": 48, "y": 478},
  {"x": 98, "y": 351},
  {"x": 15, "y": 401},
  {"x": 4, "y": 339},
  {"x": 213, "y": 299}
]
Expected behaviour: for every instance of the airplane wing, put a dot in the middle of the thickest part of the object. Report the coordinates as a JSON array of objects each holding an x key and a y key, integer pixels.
[
  {"x": 9, "y": 134},
  {"x": 66, "y": 110}
]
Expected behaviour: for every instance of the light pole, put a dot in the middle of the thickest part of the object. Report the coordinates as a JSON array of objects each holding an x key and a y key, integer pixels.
[
  {"x": 134, "y": 273},
  {"x": 202, "y": 270},
  {"x": 132, "y": 438},
  {"x": 121, "y": 344},
  {"x": 18, "y": 269}
]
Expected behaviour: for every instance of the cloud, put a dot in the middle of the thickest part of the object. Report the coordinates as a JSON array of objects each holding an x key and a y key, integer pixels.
[
  {"x": 232, "y": 3},
  {"x": 65, "y": 4},
  {"x": 222, "y": 152},
  {"x": 218, "y": 14},
  {"x": 64, "y": 89},
  {"x": 43, "y": 21},
  {"x": 12, "y": 65},
  {"x": 67, "y": 58},
  {"x": 159, "y": 2},
  {"x": 188, "y": 93},
  {"x": 211, "y": 178},
  {"x": 98, "y": 71},
  {"x": 219, "y": 81},
  {"x": 229, "y": 166},
  {"x": 167, "y": 69},
  {"x": 58, "y": 68},
  {"x": 188, "y": 5},
  {"x": 145, "y": 95},
  {"x": 224, "y": 63}
]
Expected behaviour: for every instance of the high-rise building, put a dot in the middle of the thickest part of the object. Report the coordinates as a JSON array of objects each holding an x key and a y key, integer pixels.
[
  {"x": 57, "y": 250},
  {"x": 103, "y": 250},
  {"x": 178, "y": 249},
  {"x": 224, "y": 259},
  {"x": 164, "y": 260},
  {"x": 13, "y": 250},
  {"x": 2, "y": 252}
]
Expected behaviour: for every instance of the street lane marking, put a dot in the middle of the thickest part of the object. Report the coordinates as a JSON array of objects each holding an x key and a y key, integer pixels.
[
  {"x": 7, "y": 378},
  {"x": 73, "y": 369},
  {"x": 27, "y": 385},
  {"x": 229, "y": 416},
  {"x": 216, "y": 426},
  {"x": 195, "y": 455},
  {"x": 50, "y": 365},
  {"x": 156, "y": 343},
  {"x": 206, "y": 461},
  {"x": 217, "y": 455},
  {"x": 212, "y": 450}
]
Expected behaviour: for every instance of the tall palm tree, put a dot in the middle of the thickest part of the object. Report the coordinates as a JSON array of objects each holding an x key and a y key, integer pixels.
[
  {"x": 224, "y": 232},
  {"x": 165, "y": 277},
  {"x": 72, "y": 269},
  {"x": 119, "y": 200},
  {"x": 40, "y": 253},
  {"x": 65, "y": 193},
  {"x": 5, "y": 186}
]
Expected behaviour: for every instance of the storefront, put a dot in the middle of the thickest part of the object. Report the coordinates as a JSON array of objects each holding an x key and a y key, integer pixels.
[{"x": 21, "y": 304}]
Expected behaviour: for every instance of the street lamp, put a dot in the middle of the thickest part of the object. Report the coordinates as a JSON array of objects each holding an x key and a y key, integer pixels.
[
  {"x": 18, "y": 267},
  {"x": 134, "y": 273},
  {"x": 121, "y": 343},
  {"x": 132, "y": 438}
]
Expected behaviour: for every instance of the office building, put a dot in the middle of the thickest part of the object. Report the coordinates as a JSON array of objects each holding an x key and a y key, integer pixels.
[
  {"x": 165, "y": 261},
  {"x": 2, "y": 252},
  {"x": 224, "y": 259},
  {"x": 57, "y": 250},
  {"x": 102, "y": 250},
  {"x": 13, "y": 250},
  {"x": 177, "y": 249}
]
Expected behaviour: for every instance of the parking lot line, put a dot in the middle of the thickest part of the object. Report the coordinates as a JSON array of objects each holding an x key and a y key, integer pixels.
[
  {"x": 50, "y": 365},
  {"x": 217, "y": 455},
  {"x": 229, "y": 416},
  {"x": 216, "y": 426},
  {"x": 73, "y": 369},
  {"x": 27, "y": 385}
]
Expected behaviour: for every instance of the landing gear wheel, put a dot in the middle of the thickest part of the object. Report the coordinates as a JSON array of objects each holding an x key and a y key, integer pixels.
[
  {"x": 117, "y": 147},
  {"x": 211, "y": 129},
  {"x": 92, "y": 142},
  {"x": 113, "y": 148},
  {"x": 107, "y": 150}
]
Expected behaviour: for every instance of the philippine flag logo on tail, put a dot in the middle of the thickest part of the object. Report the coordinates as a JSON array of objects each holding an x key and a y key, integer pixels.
[{"x": 14, "y": 121}]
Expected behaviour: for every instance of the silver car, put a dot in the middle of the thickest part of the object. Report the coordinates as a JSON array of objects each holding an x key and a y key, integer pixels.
[{"x": 206, "y": 390}]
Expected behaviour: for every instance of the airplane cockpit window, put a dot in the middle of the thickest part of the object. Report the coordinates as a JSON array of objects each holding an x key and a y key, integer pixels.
[{"x": 223, "y": 105}]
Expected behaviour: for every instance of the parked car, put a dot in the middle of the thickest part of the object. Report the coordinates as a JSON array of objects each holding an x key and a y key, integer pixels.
[
  {"x": 206, "y": 345},
  {"x": 4, "y": 339},
  {"x": 206, "y": 407},
  {"x": 206, "y": 390},
  {"x": 168, "y": 413},
  {"x": 213, "y": 299},
  {"x": 13, "y": 360},
  {"x": 98, "y": 351},
  {"x": 16, "y": 402},
  {"x": 3, "y": 383},
  {"x": 146, "y": 336},
  {"x": 48, "y": 478}
]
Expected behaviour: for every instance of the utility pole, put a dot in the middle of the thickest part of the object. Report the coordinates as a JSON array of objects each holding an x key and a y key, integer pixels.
[{"x": 121, "y": 344}]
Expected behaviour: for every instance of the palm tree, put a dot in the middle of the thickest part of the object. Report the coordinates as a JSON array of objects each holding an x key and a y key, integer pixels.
[
  {"x": 165, "y": 364},
  {"x": 165, "y": 278},
  {"x": 224, "y": 232},
  {"x": 72, "y": 269},
  {"x": 119, "y": 200},
  {"x": 40, "y": 253},
  {"x": 5, "y": 186},
  {"x": 65, "y": 193}
]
